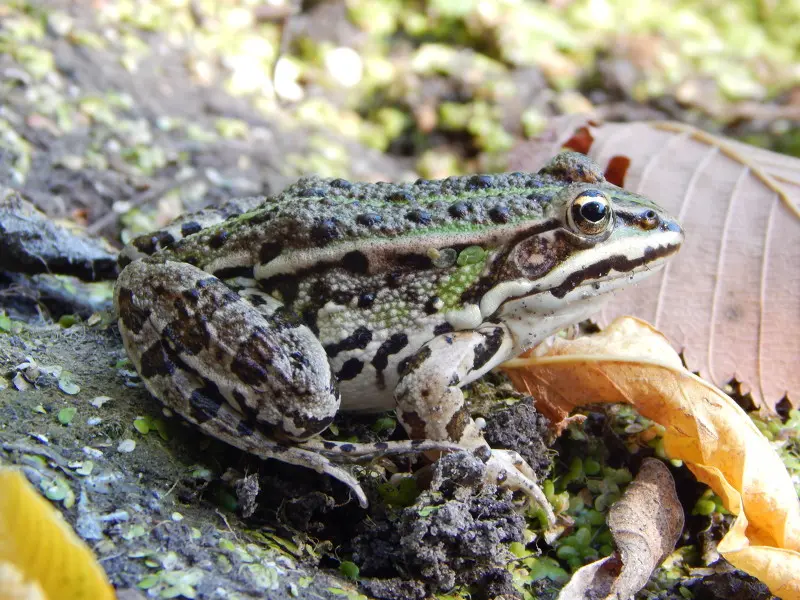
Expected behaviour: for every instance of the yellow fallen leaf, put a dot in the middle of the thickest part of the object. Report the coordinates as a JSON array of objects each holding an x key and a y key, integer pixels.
[
  {"x": 37, "y": 545},
  {"x": 632, "y": 363}
]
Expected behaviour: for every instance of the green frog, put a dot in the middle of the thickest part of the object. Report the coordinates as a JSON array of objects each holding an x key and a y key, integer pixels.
[{"x": 260, "y": 320}]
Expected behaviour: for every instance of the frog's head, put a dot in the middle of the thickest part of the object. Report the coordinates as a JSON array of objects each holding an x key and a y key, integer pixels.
[{"x": 595, "y": 238}]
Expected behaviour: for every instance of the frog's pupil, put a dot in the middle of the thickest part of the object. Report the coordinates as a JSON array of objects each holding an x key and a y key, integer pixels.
[{"x": 593, "y": 211}]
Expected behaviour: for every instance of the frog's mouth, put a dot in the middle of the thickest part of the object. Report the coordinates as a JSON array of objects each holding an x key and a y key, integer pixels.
[
  {"x": 614, "y": 272},
  {"x": 580, "y": 280}
]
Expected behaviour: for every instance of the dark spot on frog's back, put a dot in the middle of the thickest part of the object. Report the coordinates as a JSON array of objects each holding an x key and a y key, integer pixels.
[
  {"x": 366, "y": 300},
  {"x": 487, "y": 349},
  {"x": 132, "y": 316},
  {"x": 355, "y": 262},
  {"x": 369, "y": 219},
  {"x": 342, "y": 184},
  {"x": 253, "y": 356},
  {"x": 190, "y": 227},
  {"x": 480, "y": 182},
  {"x": 422, "y": 217},
  {"x": 232, "y": 272},
  {"x": 324, "y": 232},
  {"x": 148, "y": 244},
  {"x": 443, "y": 328},
  {"x": 311, "y": 192},
  {"x": 218, "y": 239},
  {"x": 459, "y": 210},
  {"x": 401, "y": 197},
  {"x": 500, "y": 214},
  {"x": 357, "y": 340}
]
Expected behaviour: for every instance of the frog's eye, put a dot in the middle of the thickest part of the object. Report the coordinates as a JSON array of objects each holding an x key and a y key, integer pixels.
[{"x": 590, "y": 213}]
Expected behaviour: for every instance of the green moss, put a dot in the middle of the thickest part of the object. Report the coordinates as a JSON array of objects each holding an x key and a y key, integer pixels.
[{"x": 65, "y": 415}]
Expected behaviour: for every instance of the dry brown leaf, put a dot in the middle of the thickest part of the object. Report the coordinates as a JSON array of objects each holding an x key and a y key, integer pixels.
[
  {"x": 646, "y": 524},
  {"x": 632, "y": 363},
  {"x": 731, "y": 298}
]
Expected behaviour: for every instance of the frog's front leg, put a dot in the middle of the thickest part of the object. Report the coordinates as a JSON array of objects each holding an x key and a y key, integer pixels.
[
  {"x": 430, "y": 403},
  {"x": 253, "y": 376}
]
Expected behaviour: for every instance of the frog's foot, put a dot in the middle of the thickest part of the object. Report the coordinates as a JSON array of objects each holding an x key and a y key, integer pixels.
[
  {"x": 430, "y": 403},
  {"x": 508, "y": 469}
]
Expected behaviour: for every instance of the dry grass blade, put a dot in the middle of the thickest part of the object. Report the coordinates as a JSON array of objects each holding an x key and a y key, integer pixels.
[{"x": 731, "y": 298}]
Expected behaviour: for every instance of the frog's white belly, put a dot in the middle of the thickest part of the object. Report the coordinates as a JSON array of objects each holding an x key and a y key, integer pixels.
[
  {"x": 362, "y": 395},
  {"x": 373, "y": 391}
]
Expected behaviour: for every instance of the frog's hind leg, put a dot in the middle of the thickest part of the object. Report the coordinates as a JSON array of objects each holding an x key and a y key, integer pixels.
[
  {"x": 241, "y": 376},
  {"x": 203, "y": 406},
  {"x": 230, "y": 426}
]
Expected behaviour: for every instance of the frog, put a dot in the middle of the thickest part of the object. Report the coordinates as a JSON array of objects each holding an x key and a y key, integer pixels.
[{"x": 259, "y": 320}]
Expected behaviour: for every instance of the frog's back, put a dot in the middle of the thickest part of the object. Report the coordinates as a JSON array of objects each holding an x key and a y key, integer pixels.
[{"x": 317, "y": 213}]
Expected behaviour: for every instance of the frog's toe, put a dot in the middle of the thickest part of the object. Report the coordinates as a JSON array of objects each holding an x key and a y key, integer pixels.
[
  {"x": 509, "y": 470},
  {"x": 320, "y": 464},
  {"x": 349, "y": 480}
]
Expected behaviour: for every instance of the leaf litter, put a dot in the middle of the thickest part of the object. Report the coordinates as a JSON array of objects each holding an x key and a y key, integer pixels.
[
  {"x": 646, "y": 524},
  {"x": 630, "y": 362}
]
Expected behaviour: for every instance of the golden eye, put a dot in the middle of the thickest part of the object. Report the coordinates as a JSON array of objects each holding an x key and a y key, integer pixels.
[{"x": 590, "y": 213}]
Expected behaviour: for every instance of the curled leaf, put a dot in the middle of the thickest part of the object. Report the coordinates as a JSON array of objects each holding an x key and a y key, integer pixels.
[
  {"x": 646, "y": 524},
  {"x": 41, "y": 548},
  {"x": 630, "y": 362}
]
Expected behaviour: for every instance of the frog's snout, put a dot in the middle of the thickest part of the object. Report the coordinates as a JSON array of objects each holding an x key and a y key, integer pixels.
[{"x": 671, "y": 225}]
